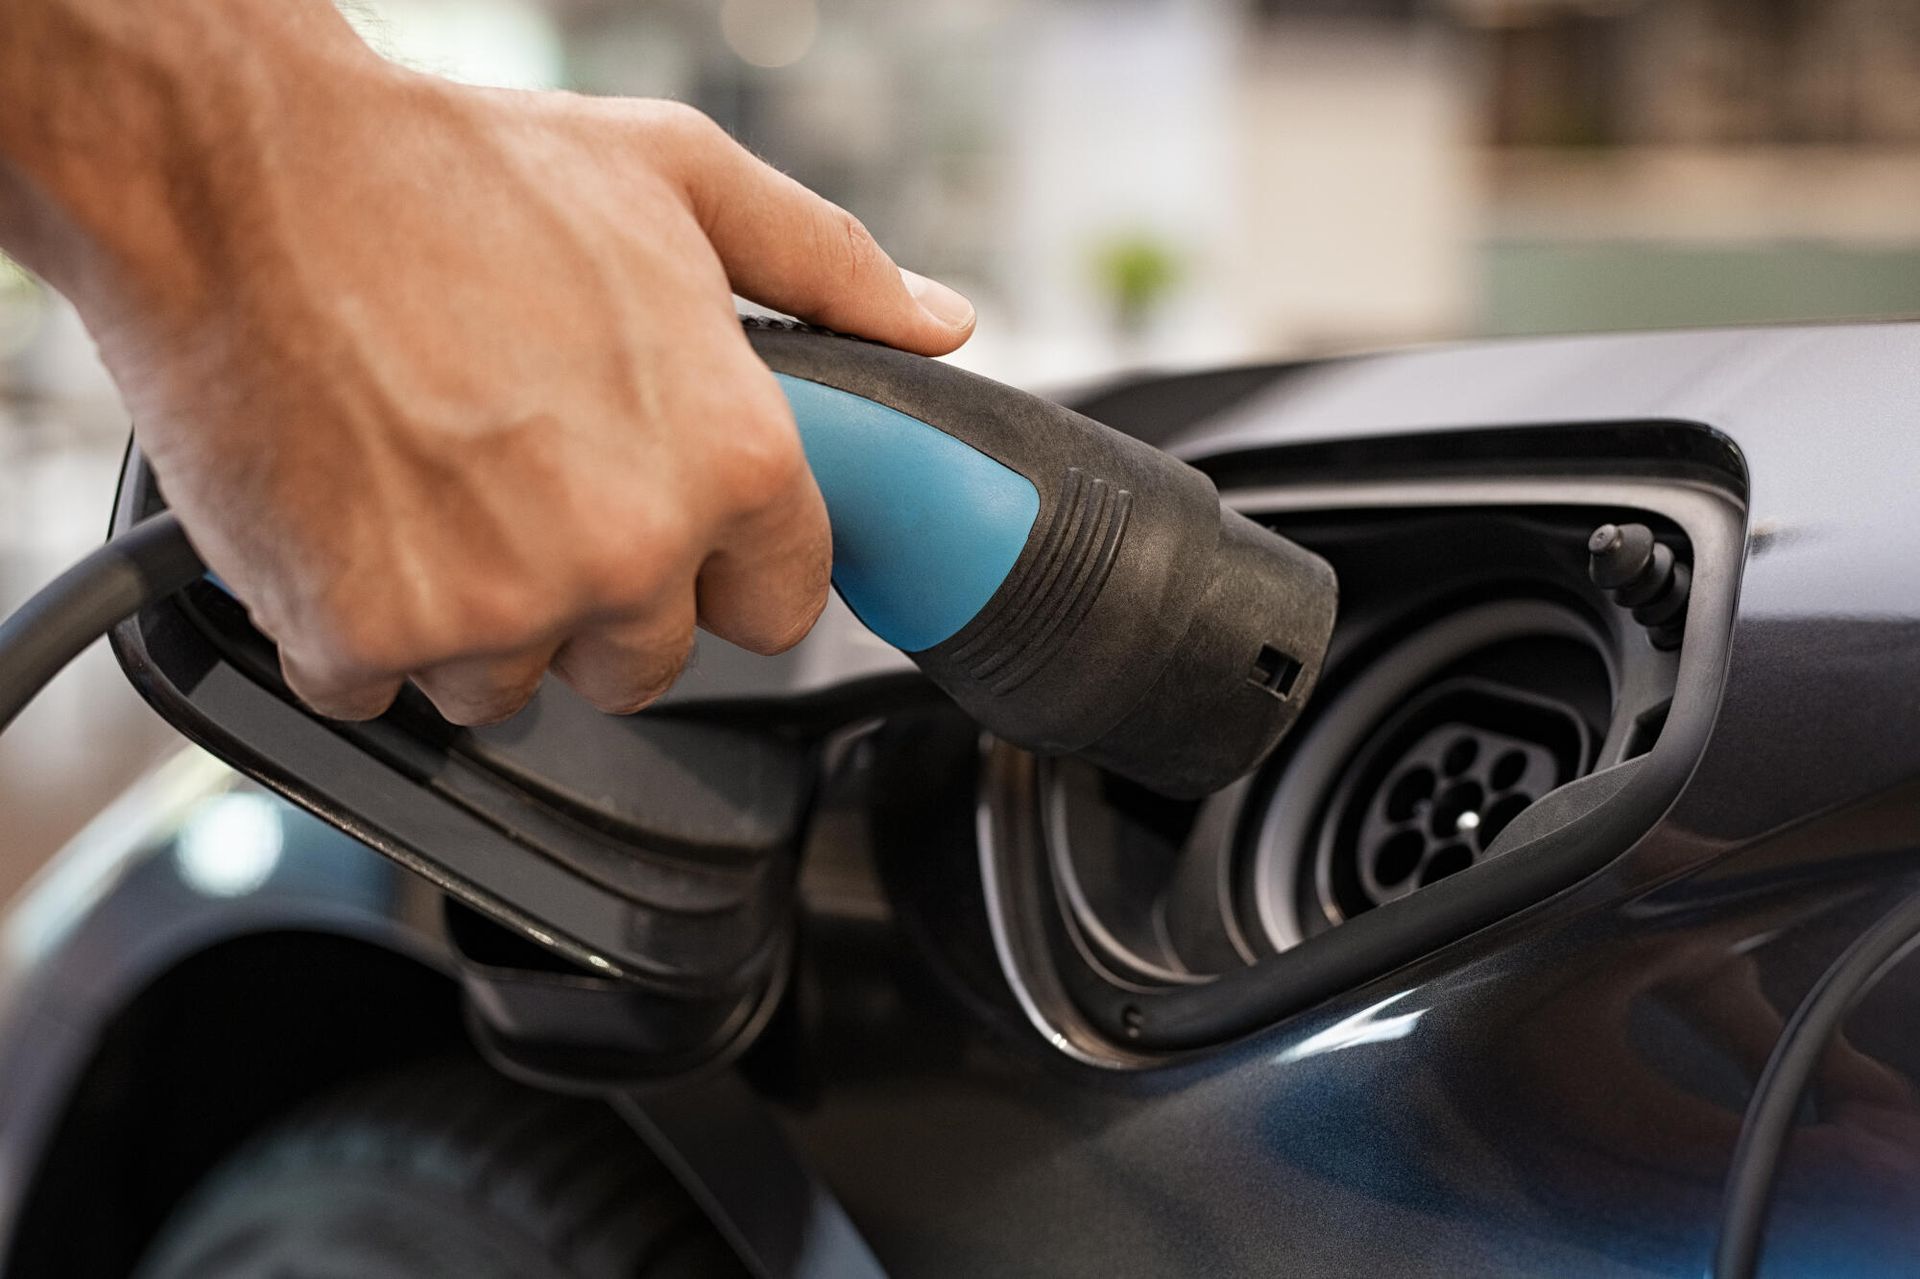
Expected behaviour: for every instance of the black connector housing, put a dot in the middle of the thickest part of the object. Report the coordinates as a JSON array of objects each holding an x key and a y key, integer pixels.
[{"x": 1145, "y": 626}]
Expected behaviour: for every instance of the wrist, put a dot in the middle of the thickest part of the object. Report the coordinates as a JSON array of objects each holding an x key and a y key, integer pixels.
[{"x": 127, "y": 171}]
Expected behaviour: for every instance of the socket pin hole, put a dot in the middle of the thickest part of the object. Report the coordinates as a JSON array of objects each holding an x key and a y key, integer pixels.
[
  {"x": 1507, "y": 770},
  {"x": 1500, "y": 816},
  {"x": 1446, "y": 861},
  {"x": 1459, "y": 800},
  {"x": 1398, "y": 857},
  {"x": 1460, "y": 756},
  {"x": 1409, "y": 793}
]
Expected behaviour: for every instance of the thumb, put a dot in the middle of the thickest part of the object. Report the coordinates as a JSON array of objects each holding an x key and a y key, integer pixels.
[{"x": 787, "y": 248}]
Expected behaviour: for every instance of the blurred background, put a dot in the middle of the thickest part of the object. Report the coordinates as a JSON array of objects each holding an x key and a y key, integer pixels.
[{"x": 1129, "y": 183}]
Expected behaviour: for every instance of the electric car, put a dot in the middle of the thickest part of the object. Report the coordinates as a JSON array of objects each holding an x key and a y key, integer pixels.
[{"x": 1563, "y": 935}]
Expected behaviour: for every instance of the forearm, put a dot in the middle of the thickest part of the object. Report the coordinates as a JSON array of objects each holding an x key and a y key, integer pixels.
[
  {"x": 445, "y": 383},
  {"x": 122, "y": 124}
]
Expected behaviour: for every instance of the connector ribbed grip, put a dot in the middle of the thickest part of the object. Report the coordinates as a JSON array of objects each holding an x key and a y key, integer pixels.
[
  {"x": 1050, "y": 592},
  {"x": 1140, "y": 623}
]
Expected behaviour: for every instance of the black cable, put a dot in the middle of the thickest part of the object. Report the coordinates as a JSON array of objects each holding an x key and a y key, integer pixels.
[
  {"x": 149, "y": 561},
  {"x": 1776, "y": 1098}
]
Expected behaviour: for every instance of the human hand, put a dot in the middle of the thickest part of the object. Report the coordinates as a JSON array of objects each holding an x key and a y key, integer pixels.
[{"x": 447, "y": 383}]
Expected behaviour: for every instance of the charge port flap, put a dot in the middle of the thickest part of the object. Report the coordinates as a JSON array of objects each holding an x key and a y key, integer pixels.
[{"x": 649, "y": 778}]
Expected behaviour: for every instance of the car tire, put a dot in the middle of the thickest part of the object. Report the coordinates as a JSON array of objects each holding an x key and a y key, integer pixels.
[{"x": 442, "y": 1172}]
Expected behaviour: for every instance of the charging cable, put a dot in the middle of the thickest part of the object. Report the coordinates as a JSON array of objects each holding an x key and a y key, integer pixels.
[
  {"x": 149, "y": 561},
  {"x": 1776, "y": 1098}
]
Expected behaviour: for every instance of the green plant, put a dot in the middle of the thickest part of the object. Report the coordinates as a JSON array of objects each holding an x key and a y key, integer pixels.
[{"x": 1137, "y": 271}]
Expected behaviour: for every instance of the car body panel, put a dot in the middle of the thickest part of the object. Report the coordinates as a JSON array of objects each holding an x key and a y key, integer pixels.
[{"x": 1558, "y": 1093}]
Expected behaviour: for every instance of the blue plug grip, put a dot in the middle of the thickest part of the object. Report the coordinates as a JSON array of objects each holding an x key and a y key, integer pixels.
[{"x": 925, "y": 526}]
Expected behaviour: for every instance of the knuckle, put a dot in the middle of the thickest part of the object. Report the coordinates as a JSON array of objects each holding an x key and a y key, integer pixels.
[
  {"x": 476, "y": 692},
  {"x": 493, "y": 618},
  {"x": 481, "y": 707},
  {"x": 494, "y": 613},
  {"x": 639, "y": 679},
  {"x": 658, "y": 678},
  {"x": 628, "y": 569},
  {"x": 330, "y": 698},
  {"x": 786, "y": 631},
  {"x": 683, "y": 125},
  {"x": 406, "y": 632},
  {"x": 606, "y": 568},
  {"x": 351, "y": 709},
  {"x": 847, "y": 246},
  {"x": 762, "y": 462},
  {"x": 371, "y": 638}
]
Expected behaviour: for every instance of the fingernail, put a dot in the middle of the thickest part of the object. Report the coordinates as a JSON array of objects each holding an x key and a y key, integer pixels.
[{"x": 939, "y": 301}]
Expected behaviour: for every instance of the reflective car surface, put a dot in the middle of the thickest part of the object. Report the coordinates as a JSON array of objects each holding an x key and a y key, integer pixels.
[{"x": 1478, "y": 974}]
